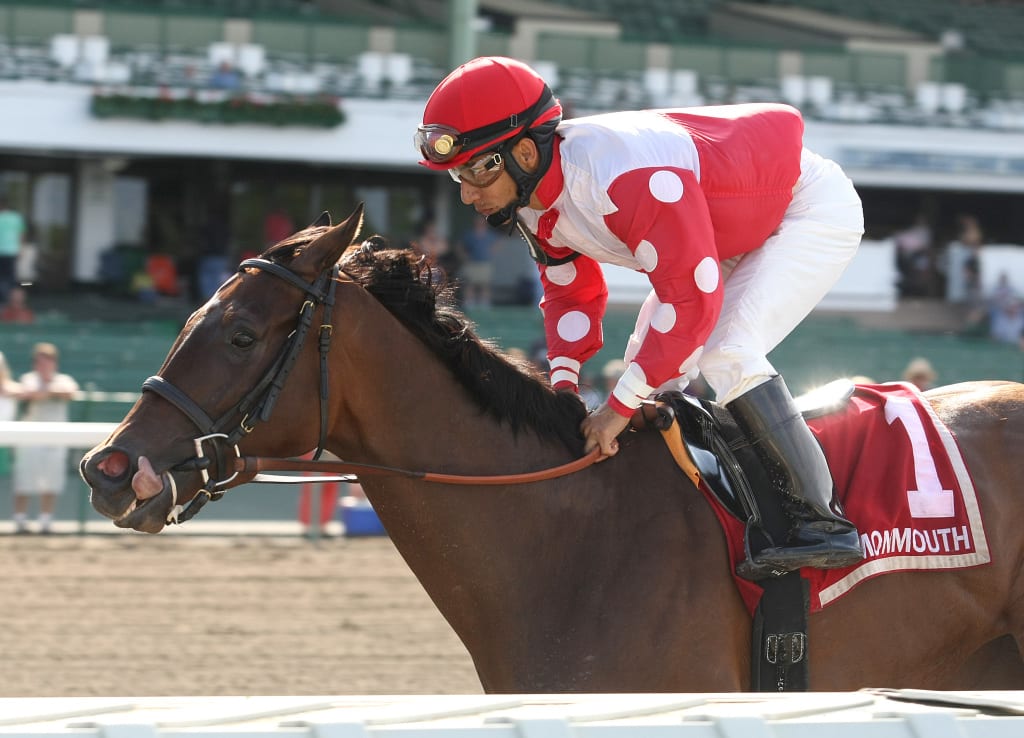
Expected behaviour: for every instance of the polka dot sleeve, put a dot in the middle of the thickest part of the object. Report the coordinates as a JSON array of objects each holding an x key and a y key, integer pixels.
[
  {"x": 575, "y": 296},
  {"x": 663, "y": 218}
]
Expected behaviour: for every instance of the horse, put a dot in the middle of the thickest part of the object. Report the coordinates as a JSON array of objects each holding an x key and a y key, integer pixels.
[{"x": 613, "y": 579}]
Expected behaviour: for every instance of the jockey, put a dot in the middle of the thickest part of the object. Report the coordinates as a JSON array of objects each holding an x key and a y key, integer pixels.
[{"x": 740, "y": 230}]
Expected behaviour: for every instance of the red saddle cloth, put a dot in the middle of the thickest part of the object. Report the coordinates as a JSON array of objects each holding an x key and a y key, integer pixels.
[{"x": 903, "y": 482}]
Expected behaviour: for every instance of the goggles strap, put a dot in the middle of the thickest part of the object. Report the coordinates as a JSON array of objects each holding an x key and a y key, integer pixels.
[
  {"x": 469, "y": 139},
  {"x": 477, "y": 136}
]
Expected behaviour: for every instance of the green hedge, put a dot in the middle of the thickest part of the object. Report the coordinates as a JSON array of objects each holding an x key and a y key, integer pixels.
[{"x": 321, "y": 112}]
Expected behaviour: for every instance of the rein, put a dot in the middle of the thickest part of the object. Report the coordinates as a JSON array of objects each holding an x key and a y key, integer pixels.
[
  {"x": 350, "y": 470},
  {"x": 258, "y": 403}
]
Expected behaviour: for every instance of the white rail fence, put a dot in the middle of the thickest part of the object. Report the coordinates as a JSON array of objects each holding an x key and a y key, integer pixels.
[
  {"x": 81, "y": 436},
  {"x": 14, "y": 433},
  {"x": 866, "y": 714}
]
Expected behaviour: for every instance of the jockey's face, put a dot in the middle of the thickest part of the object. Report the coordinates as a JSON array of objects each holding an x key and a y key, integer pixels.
[
  {"x": 489, "y": 199},
  {"x": 502, "y": 191}
]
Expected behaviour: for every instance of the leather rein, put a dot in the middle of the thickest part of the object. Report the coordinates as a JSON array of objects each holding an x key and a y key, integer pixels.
[{"x": 257, "y": 405}]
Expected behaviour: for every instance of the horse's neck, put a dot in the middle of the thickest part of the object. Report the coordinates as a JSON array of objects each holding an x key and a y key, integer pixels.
[
  {"x": 409, "y": 410},
  {"x": 557, "y": 551},
  {"x": 415, "y": 415},
  {"x": 530, "y": 577}
]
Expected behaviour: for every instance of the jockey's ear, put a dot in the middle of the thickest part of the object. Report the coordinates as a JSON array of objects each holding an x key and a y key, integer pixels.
[
  {"x": 323, "y": 220},
  {"x": 325, "y": 250}
]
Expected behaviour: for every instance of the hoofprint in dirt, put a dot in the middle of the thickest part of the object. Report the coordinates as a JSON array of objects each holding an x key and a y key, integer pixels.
[{"x": 137, "y": 615}]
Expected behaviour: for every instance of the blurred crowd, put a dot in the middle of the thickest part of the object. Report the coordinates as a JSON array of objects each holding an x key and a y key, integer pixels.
[{"x": 953, "y": 272}]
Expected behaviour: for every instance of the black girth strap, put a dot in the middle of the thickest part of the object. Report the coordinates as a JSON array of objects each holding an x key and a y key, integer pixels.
[{"x": 779, "y": 642}]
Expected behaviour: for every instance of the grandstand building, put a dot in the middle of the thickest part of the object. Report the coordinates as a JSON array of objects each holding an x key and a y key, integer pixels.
[{"x": 131, "y": 127}]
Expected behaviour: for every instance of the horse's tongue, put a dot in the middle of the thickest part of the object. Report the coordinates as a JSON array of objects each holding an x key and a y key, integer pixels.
[{"x": 145, "y": 482}]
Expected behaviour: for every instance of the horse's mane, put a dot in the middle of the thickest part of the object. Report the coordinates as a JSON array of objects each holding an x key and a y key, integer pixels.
[{"x": 507, "y": 388}]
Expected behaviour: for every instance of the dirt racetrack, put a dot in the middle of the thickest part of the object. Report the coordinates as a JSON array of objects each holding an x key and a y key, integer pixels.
[{"x": 137, "y": 615}]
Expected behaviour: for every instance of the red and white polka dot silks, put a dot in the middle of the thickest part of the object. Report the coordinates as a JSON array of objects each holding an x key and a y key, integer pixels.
[{"x": 669, "y": 193}]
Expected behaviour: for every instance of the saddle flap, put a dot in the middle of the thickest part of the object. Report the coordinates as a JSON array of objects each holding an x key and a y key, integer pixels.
[{"x": 700, "y": 445}]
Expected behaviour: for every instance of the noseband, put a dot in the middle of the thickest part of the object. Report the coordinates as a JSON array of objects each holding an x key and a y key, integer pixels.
[{"x": 257, "y": 404}]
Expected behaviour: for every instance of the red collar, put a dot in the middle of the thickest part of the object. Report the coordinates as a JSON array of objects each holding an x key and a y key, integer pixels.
[{"x": 550, "y": 185}]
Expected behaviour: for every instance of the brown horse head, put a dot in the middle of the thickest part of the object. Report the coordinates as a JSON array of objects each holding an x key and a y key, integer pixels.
[{"x": 240, "y": 338}]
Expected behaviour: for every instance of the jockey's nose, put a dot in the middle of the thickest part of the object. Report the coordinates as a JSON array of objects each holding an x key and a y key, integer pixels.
[{"x": 468, "y": 192}]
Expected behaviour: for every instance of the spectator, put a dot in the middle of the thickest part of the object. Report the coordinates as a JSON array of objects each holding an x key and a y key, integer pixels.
[
  {"x": 976, "y": 309},
  {"x": 17, "y": 310},
  {"x": 529, "y": 361},
  {"x": 591, "y": 395},
  {"x": 213, "y": 269},
  {"x": 430, "y": 243},
  {"x": 915, "y": 260},
  {"x": 226, "y": 77},
  {"x": 25, "y": 269},
  {"x": 970, "y": 233},
  {"x": 9, "y": 393},
  {"x": 277, "y": 226},
  {"x": 143, "y": 287},
  {"x": 964, "y": 267},
  {"x": 328, "y": 504},
  {"x": 164, "y": 272},
  {"x": 12, "y": 237},
  {"x": 316, "y": 527},
  {"x": 41, "y": 470},
  {"x": 610, "y": 374},
  {"x": 1005, "y": 312},
  {"x": 476, "y": 247},
  {"x": 920, "y": 373}
]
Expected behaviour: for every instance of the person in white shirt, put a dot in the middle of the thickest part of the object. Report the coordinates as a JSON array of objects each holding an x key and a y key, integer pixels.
[{"x": 40, "y": 471}]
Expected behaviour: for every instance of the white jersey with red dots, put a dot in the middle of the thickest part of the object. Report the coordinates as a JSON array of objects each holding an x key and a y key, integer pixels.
[{"x": 674, "y": 193}]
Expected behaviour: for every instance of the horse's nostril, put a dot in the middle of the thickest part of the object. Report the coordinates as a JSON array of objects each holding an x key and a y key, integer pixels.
[{"x": 115, "y": 465}]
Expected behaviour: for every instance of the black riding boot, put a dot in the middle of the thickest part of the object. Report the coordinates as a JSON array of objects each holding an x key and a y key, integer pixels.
[{"x": 821, "y": 537}]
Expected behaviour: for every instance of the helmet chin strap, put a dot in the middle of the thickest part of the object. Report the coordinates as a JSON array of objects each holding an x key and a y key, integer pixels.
[{"x": 526, "y": 182}]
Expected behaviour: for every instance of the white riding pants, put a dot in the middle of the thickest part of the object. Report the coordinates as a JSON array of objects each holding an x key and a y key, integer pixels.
[{"x": 770, "y": 290}]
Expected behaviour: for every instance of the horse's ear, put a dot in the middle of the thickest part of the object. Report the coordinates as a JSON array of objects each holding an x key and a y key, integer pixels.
[
  {"x": 328, "y": 248},
  {"x": 323, "y": 220}
]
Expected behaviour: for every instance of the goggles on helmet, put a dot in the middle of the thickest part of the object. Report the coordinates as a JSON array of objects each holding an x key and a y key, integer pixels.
[
  {"x": 480, "y": 171},
  {"x": 439, "y": 143}
]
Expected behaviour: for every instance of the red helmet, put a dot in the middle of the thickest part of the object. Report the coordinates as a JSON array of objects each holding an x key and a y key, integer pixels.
[{"x": 485, "y": 101}]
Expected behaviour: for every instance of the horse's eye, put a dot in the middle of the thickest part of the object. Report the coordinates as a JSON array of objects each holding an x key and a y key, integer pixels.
[{"x": 243, "y": 340}]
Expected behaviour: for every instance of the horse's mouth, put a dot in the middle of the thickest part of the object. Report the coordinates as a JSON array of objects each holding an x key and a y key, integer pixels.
[{"x": 149, "y": 515}]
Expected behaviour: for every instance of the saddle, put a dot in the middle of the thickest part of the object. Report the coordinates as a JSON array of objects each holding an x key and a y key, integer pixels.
[{"x": 710, "y": 449}]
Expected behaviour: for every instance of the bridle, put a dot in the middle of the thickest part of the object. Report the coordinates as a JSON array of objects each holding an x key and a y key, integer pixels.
[{"x": 257, "y": 405}]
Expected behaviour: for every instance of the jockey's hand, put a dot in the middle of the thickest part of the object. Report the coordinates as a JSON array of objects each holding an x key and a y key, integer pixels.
[{"x": 600, "y": 429}]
